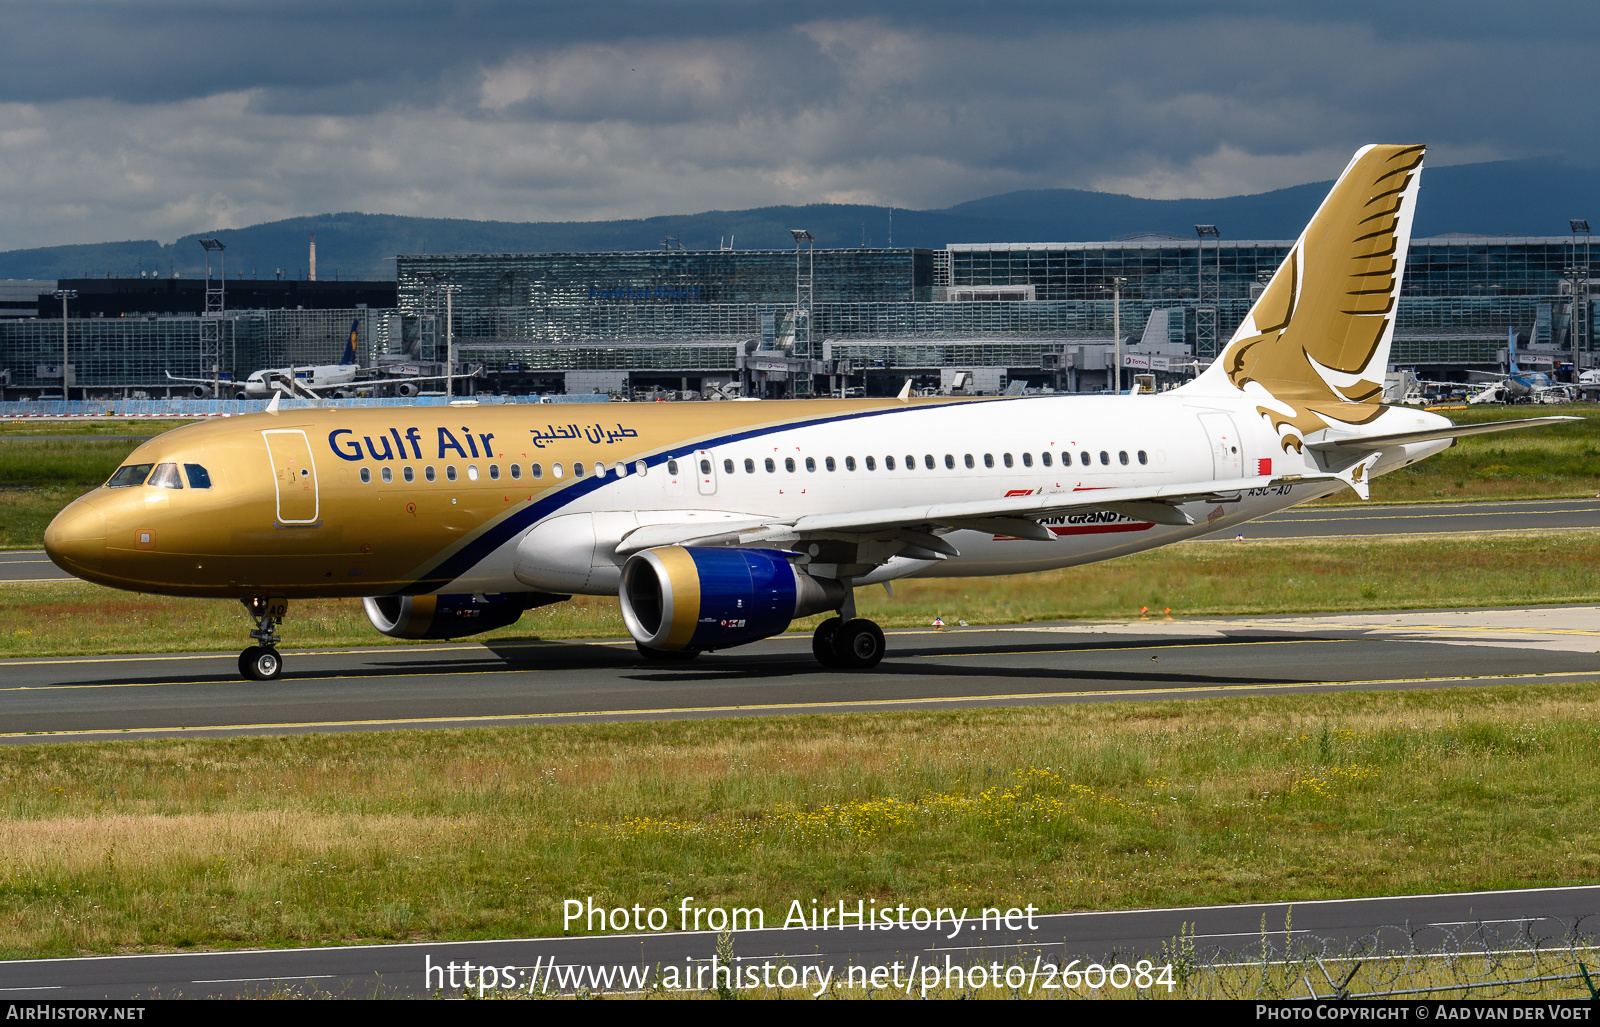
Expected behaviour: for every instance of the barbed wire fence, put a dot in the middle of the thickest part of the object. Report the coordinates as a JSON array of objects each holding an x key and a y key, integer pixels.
[{"x": 1544, "y": 958}]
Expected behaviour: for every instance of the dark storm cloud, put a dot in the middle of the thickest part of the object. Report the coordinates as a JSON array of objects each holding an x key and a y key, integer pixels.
[{"x": 121, "y": 118}]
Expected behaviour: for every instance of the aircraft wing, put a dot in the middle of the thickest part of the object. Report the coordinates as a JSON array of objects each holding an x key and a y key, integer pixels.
[
  {"x": 226, "y": 378},
  {"x": 916, "y": 526}
]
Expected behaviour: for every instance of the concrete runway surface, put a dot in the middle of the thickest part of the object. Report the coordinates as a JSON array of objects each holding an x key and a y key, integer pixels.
[{"x": 461, "y": 684}]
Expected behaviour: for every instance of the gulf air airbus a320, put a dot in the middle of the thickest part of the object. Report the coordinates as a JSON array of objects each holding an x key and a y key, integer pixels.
[{"x": 719, "y": 524}]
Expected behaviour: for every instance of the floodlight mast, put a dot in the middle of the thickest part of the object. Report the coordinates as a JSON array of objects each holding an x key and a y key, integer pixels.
[
  {"x": 1582, "y": 328},
  {"x": 803, "y": 293},
  {"x": 64, "y": 295},
  {"x": 1205, "y": 317},
  {"x": 211, "y": 318},
  {"x": 449, "y": 339}
]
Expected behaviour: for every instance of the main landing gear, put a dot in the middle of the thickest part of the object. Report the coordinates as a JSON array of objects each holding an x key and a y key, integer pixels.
[
  {"x": 848, "y": 642},
  {"x": 262, "y": 662}
]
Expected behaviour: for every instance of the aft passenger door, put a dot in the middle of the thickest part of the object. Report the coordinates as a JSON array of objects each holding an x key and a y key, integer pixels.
[
  {"x": 294, "y": 475},
  {"x": 1227, "y": 457}
]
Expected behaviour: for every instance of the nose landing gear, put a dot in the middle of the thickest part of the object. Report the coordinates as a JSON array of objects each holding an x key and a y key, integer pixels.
[{"x": 262, "y": 662}]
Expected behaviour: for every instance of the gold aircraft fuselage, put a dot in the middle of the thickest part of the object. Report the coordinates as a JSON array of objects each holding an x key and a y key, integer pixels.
[{"x": 287, "y": 513}]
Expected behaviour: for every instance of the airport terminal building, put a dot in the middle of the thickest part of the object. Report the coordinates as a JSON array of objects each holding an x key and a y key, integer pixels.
[{"x": 793, "y": 322}]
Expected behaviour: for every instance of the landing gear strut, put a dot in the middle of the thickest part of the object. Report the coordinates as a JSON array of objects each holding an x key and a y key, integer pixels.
[
  {"x": 262, "y": 662},
  {"x": 848, "y": 642}
]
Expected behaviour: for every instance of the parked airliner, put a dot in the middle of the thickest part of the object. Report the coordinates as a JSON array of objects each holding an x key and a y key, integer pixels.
[{"x": 719, "y": 524}]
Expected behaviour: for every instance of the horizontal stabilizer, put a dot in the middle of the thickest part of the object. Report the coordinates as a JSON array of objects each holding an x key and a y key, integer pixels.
[{"x": 1432, "y": 434}]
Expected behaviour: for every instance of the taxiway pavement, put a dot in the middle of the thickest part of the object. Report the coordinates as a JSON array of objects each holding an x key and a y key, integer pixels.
[
  {"x": 1462, "y": 923},
  {"x": 460, "y": 684}
]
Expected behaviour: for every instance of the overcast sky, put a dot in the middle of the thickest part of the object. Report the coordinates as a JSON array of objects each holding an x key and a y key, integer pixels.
[{"x": 128, "y": 119}]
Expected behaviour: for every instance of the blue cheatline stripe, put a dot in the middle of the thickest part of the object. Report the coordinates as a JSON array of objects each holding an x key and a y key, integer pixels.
[{"x": 500, "y": 532}]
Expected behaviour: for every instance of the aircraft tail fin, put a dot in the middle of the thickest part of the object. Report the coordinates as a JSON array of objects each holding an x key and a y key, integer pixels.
[
  {"x": 1511, "y": 350},
  {"x": 1314, "y": 348},
  {"x": 350, "y": 346}
]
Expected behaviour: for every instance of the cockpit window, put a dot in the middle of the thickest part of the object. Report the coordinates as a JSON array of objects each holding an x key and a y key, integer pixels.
[
  {"x": 166, "y": 476},
  {"x": 197, "y": 475},
  {"x": 129, "y": 474}
]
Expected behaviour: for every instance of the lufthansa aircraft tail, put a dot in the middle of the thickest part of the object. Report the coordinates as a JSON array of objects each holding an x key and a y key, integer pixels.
[
  {"x": 350, "y": 346},
  {"x": 1313, "y": 350}
]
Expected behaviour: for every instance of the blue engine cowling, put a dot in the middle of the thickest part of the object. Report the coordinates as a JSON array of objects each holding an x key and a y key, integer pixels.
[
  {"x": 451, "y": 616},
  {"x": 694, "y": 598}
]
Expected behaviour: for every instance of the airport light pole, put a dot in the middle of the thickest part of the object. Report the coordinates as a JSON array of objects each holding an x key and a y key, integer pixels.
[
  {"x": 449, "y": 340},
  {"x": 64, "y": 295},
  {"x": 1116, "y": 331},
  {"x": 1582, "y": 330}
]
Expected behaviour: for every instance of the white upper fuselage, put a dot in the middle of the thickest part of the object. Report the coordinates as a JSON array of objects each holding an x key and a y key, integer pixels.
[{"x": 1170, "y": 439}]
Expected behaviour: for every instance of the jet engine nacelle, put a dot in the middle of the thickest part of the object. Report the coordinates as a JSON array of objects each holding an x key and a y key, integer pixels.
[
  {"x": 406, "y": 389},
  {"x": 451, "y": 616},
  {"x": 693, "y": 598}
]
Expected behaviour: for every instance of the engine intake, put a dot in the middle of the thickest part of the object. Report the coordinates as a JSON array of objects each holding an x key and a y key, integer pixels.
[
  {"x": 678, "y": 598},
  {"x": 451, "y": 616}
]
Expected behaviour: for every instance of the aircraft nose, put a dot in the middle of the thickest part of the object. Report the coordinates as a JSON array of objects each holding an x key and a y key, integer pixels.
[{"x": 76, "y": 540}]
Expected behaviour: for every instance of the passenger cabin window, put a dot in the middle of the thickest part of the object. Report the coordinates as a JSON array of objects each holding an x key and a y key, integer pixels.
[
  {"x": 1027, "y": 459},
  {"x": 888, "y": 463},
  {"x": 410, "y": 475},
  {"x": 516, "y": 470},
  {"x": 366, "y": 475},
  {"x": 577, "y": 468},
  {"x": 131, "y": 474},
  {"x": 949, "y": 461},
  {"x": 829, "y": 464},
  {"x": 450, "y": 472},
  {"x": 537, "y": 470},
  {"x": 472, "y": 472},
  {"x": 1105, "y": 458},
  {"x": 640, "y": 468},
  {"x": 727, "y": 466},
  {"x": 849, "y": 463},
  {"x": 969, "y": 462},
  {"x": 427, "y": 472},
  {"x": 672, "y": 466},
  {"x": 749, "y": 466},
  {"x": 872, "y": 465},
  {"x": 1007, "y": 459},
  {"x": 494, "y": 472},
  {"x": 771, "y": 467},
  {"x": 199, "y": 477},
  {"x": 811, "y": 463},
  {"x": 388, "y": 475},
  {"x": 1083, "y": 458},
  {"x": 705, "y": 466},
  {"x": 1143, "y": 458},
  {"x": 788, "y": 464},
  {"x": 555, "y": 470},
  {"x": 988, "y": 459},
  {"x": 1123, "y": 457},
  {"x": 166, "y": 476},
  {"x": 927, "y": 461}
]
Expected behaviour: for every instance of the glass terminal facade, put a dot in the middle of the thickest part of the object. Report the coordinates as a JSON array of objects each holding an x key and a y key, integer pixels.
[{"x": 671, "y": 316}]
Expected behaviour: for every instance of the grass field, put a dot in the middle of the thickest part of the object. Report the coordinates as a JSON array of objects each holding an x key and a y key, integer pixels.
[
  {"x": 452, "y": 834},
  {"x": 68, "y": 617},
  {"x": 48, "y": 465}
]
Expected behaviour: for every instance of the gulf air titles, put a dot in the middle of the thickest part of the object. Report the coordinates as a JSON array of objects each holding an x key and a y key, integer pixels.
[{"x": 720, "y": 524}]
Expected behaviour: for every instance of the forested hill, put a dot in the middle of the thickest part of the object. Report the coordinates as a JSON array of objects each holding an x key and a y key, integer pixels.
[{"x": 1526, "y": 197}]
